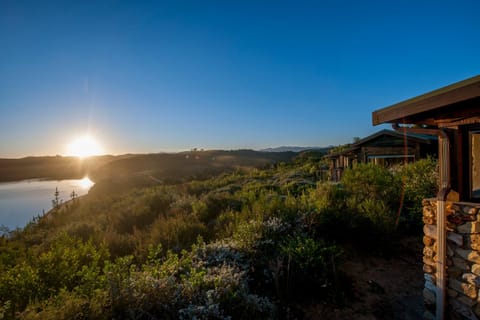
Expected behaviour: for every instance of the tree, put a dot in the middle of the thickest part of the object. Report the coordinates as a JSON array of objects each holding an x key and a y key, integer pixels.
[
  {"x": 56, "y": 199},
  {"x": 73, "y": 195}
]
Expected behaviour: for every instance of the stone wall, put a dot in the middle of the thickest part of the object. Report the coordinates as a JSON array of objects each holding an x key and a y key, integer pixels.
[{"x": 463, "y": 259}]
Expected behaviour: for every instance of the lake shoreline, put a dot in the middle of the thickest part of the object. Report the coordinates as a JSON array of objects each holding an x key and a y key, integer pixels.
[{"x": 23, "y": 201}]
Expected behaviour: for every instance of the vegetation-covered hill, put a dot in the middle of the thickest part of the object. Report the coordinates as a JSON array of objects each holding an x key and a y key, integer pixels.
[
  {"x": 159, "y": 166},
  {"x": 249, "y": 243},
  {"x": 48, "y": 167}
]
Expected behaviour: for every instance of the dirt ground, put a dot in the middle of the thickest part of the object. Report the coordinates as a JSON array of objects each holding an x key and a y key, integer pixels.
[{"x": 382, "y": 287}]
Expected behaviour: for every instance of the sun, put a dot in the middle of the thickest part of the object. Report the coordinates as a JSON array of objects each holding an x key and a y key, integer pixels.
[{"x": 83, "y": 147}]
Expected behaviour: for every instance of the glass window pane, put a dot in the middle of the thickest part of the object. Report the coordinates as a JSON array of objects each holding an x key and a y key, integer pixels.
[{"x": 475, "y": 164}]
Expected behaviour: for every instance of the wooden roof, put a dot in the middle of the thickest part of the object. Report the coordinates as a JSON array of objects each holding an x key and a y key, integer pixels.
[
  {"x": 420, "y": 138},
  {"x": 454, "y": 102}
]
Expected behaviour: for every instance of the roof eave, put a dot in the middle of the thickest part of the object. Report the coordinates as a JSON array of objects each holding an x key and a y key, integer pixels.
[{"x": 402, "y": 112}]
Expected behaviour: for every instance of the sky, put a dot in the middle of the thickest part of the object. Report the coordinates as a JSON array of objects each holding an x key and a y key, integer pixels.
[{"x": 166, "y": 76}]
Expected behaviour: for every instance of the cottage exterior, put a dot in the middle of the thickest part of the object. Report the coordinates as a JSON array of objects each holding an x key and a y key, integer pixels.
[
  {"x": 385, "y": 148},
  {"x": 451, "y": 255}
]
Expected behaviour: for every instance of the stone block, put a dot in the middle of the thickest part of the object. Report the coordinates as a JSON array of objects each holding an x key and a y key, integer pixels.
[
  {"x": 453, "y": 207},
  {"x": 430, "y": 285},
  {"x": 454, "y": 272},
  {"x": 430, "y": 231},
  {"x": 427, "y": 241},
  {"x": 428, "y": 268},
  {"x": 466, "y": 300},
  {"x": 455, "y": 238},
  {"x": 471, "y": 278},
  {"x": 429, "y": 261},
  {"x": 463, "y": 310},
  {"x": 469, "y": 227},
  {"x": 452, "y": 293},
  {"x": 450, "y": 251},
  {"x": 460, "y": 263},
  {"x": 467, "y": 289},
  {"x": 476, "y": 269},
  {"x": 429, "y": 220},
  {"x": 448, "y": 262},
  {"x": 429, "y": 211},
  {"x": 428, "y": 252},
  {"x": 470, "y": 210},
  {"x": 428, "y": 296},
  {"x": 429, "y": 277},
  {"x": 473, "y": 241},
  {"x": 470, "y": 255}
]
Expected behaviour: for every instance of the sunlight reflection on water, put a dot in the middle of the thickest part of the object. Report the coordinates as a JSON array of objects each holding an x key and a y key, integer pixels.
[{"x": 84, "y": 183}]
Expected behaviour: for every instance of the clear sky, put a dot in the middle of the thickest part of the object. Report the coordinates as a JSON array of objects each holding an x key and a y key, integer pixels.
[{"x": 150, "y": 76}]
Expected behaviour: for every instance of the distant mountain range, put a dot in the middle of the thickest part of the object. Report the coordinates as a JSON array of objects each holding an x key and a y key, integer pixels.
[{"x": 296, "y": 149}]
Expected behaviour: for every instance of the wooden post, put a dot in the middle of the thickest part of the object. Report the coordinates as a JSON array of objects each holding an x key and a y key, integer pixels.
[{"x": 444, "y": 157}]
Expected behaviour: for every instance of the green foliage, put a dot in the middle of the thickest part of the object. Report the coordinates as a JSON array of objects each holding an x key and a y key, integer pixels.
[
  {"x": 67, "y": 264},
  {"x": 269, "y": 240},
  {"x": 420, "y": 180},
  {"x": 373, "y": 192},
  {"x": 310, "y": 265},
  {"x": 69, "y": 305},
  {"x": 339, "y": 148}
]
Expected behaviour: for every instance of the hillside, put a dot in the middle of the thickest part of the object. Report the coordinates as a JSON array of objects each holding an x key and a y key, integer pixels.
[
  {"x": 188, "y": 164},
  {"x": 57, "y": 167},
  {"x": 275, "y": 243},
  {"x": 158, "y": 166},
  {"x": 298, "y": 149}
]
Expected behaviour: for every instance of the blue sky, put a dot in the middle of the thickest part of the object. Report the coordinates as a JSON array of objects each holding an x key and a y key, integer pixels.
[{"x": 150, "y": 76}]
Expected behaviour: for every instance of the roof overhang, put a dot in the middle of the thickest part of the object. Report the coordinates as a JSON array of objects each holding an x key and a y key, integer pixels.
[
  {"x": 435, "y": 107},
  {"x": 426, "y": 139},
  {"x": 346, "y": 152}
]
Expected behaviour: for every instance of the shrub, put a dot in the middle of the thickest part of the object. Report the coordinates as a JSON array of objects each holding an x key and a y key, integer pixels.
[
  {"x": 309, "y": 265},
  {"x": 178, "y": 232},
  {"x": 419, "y": 181},
  {"x": 67, "y": 264},
  {"x": 70, "y": 305},
  {"x": 373, "y": 192}
]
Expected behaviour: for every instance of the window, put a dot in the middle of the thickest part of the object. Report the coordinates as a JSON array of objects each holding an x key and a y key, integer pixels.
[{"x": 475, "y": 164}]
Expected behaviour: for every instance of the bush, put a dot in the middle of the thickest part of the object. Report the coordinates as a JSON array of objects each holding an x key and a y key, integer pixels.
[
  {"x": 373, "y": 192},
  {"x": 69, "y": 305},
  {"x": 419, "y": 181},
  {"x": 309, "y": 266}
]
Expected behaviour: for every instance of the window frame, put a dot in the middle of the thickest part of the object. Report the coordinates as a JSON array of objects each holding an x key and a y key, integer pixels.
[{"x": 471, "y": 130}]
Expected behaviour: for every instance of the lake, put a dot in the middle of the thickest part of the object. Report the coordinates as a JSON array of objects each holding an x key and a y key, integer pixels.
[{"x": 20, "y": 201}]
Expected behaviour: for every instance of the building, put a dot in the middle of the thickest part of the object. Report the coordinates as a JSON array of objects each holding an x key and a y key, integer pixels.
[
  {"x": 385, "y": 148},
  {"x": 451, "y": 255}
]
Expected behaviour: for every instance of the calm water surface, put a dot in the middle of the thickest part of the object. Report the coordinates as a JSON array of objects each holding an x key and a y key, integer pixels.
[{"x": 22, "y": 200}]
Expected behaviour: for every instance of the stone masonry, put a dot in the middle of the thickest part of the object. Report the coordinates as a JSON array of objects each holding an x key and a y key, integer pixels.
[{"x": 463, "y": 259}]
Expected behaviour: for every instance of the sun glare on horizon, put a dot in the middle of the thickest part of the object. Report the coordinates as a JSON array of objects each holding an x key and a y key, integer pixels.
[{"x": 83, "y": 147}]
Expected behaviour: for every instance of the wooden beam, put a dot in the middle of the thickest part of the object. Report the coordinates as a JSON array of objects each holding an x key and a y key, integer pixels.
[
  {"x": 388, "y": 150},
  {"x": 455, "y": 93}
]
